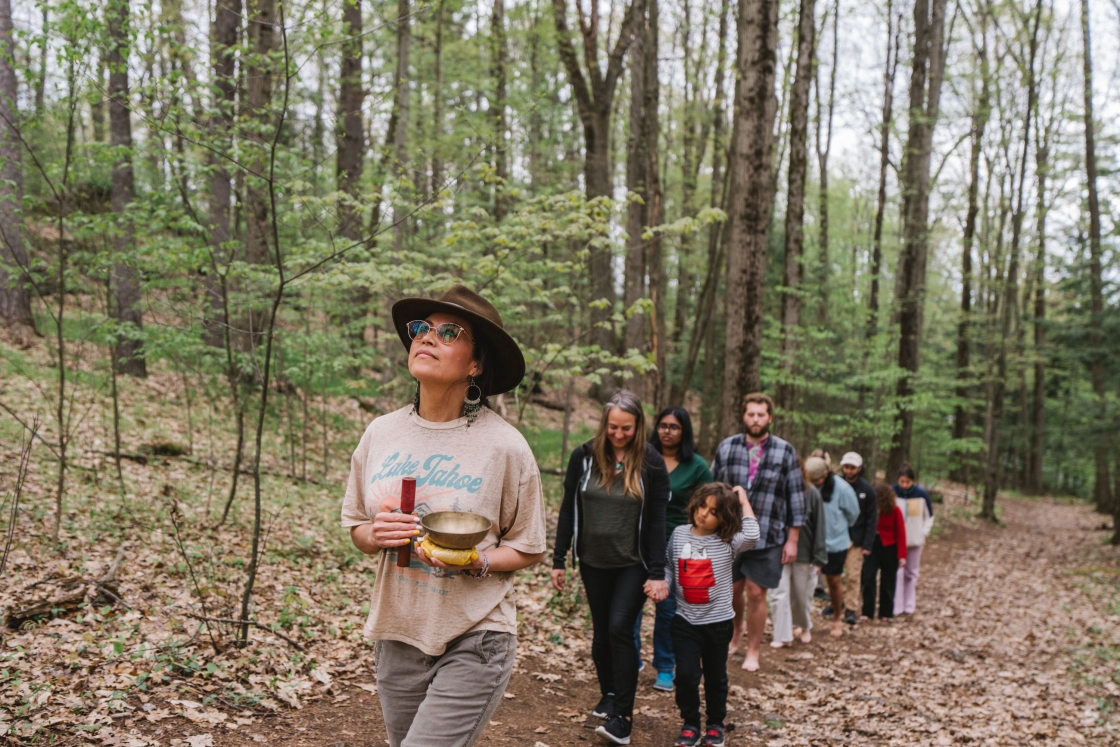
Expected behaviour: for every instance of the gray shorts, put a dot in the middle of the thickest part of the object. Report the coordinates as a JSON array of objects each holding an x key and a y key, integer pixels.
[
  {"x": 447, "y": 700},
  {"x": 763, "y": 567}
]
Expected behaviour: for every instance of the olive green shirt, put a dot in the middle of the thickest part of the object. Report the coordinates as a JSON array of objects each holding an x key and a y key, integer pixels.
[
  {"x": 683, "y": 481},
  {"x": 609, "y": 536}
]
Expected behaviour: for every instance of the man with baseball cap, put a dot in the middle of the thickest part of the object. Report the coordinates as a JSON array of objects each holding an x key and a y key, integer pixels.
[{"x": 862, "y": 533}]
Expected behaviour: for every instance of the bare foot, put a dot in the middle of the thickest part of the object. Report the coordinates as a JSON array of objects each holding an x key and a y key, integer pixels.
[
  {"x": 837, "y": 628},
  {"x": 806, "y": 637},
  {"x": 733, "y": 647},
  {"x": 797, "y": 632},
  {"x": 864, "y": 618},
  {"x": 750, "y": 664},
  {"x": 781, "y": 644}
]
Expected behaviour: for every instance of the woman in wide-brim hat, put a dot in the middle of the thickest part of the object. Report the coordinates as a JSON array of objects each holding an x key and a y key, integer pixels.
[{"x": 445, "y": 636}]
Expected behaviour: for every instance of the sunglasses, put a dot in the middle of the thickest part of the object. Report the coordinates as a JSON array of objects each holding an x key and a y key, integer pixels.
[{"x": 447, "y": 333}]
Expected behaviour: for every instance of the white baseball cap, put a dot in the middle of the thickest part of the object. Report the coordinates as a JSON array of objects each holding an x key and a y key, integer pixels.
[{"x": 853, "y": 459}]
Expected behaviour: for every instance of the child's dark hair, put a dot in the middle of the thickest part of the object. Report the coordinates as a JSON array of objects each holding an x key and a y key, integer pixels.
[{"x": 727, "y": 511}]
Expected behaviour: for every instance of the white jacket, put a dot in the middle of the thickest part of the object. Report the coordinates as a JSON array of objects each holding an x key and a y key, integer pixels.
[{"x": 919, "y": 522}]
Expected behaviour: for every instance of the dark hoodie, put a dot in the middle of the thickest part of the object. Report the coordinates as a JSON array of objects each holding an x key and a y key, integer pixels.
[
  {"x": 863, "y": 531},
  {"x": 651, "y": 527}
]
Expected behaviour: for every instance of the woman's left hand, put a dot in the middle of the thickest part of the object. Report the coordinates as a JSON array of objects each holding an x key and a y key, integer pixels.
[
  {"x": 902, "y": 562},
  {"x": 474, "y": 565},
  {"x": 656, "y": 590}
]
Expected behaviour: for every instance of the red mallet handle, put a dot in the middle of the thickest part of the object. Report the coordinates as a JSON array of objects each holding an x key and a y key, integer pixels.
[{"x": 408, "y": 505}]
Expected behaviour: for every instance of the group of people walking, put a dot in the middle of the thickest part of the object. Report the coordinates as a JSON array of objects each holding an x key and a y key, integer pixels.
[{"x": 643, "y": 516}]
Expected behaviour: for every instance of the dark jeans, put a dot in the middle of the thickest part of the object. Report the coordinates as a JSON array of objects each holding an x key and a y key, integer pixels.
[
  {"x": 701, "y": 650},
  {"x": 665, "y": 610},
  {"x": 883, "y": 558},
  {"x": 615, "y": 597}
]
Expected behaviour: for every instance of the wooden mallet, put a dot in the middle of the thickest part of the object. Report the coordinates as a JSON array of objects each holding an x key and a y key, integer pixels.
[{"x": 408, "y": 505}]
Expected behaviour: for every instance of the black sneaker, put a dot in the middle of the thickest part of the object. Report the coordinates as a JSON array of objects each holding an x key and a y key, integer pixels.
[
  {"x": 714, "y": 736},
  {"x": 690, "y": 736},
  {"x": 820, "y": 594},
  {"x": 605, "y": 709},
  {"x": 617, "y": 729},
  {"x": 850, "y": 617},
  {"x": 827, "y": 611}
]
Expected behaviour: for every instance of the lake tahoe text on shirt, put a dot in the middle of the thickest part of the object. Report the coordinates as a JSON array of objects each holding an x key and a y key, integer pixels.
[{"x": 435, "y": 472}]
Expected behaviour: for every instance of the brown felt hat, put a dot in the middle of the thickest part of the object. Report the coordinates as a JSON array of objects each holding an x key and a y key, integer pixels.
[{"x": 505, "y": 360}]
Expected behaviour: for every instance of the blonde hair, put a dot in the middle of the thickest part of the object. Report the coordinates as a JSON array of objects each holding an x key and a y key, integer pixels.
[{"x": 635, "y": 458}]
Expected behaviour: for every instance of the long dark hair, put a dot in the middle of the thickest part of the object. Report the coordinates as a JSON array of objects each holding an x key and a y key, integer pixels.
[
  {"x": 688, "y": 445},
  {"x": 906, "y": 470},
  {"x": 728, "y": 510}
]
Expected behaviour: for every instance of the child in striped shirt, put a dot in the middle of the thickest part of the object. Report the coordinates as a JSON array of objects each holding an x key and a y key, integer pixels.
[{"x": 699, "y": 558}]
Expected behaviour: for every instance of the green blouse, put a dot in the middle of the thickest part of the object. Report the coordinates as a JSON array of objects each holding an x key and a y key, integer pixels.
[{"x": 682, "y": 482}]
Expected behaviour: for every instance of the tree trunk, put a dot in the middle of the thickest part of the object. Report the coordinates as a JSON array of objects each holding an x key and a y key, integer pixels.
[
  {"x": 594, "y": 96},
  {"x": 15, "y": 293},
  {"x": 795, "y": 202},
  {"x": 437, "y": 103},
  {"x": 704, "y": 318},
  {"x": 225, "y": 32},
  {"x": 1010, "y": 304},
  {"x": 1102, "y": 493},
  {"x": 654, "y": 206},
  {"x": 884, "y": 162},
  {"x": 751, "y": 195},
  {"x": 637, "y": 164},
  {"x": 926, "y": 74},
  {"x": 129, "y": 359},
  {"x": 351, "y": 135},
  {"x": 401, "y": 82},
  {"x": 823, "y": 151},
  {"x": 962, "y": 416},
  {"x": 41, "y": 79},
  {"x": 500, "y": 63},
  {"x": 1038, "y": 401}
]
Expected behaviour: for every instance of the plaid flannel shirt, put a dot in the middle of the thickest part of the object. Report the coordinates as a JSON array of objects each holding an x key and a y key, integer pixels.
[{"x": 777, "y": 494}]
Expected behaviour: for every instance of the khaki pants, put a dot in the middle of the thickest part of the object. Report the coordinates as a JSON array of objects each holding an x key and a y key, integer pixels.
[
  {"x": 447, "y": 700},
  {"x": 853, "y": 569}
]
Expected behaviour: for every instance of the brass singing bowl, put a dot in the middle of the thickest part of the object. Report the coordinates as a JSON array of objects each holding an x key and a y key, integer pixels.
[{"x": 455, "y": 530}]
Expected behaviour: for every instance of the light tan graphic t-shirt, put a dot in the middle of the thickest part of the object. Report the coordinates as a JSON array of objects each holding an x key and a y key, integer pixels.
[{"x": 487, "y": 469}]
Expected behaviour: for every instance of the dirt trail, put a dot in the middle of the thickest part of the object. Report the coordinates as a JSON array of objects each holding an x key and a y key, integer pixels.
[{"x": 1016, "y": 642}]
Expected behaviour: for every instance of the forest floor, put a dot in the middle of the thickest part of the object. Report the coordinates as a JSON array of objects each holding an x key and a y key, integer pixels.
[{"x": 1016, "y": 642}]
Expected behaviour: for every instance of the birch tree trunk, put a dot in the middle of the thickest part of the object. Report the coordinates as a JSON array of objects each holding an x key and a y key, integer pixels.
[
  {"x": 750, "y": 198},
  {"x": 129, "y": 358}
]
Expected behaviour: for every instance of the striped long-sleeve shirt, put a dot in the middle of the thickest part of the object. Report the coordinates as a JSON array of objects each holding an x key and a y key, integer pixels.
[{"x": 700, "y": 571}]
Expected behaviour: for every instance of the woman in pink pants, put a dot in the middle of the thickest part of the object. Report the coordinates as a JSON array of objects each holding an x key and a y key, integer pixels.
[{"x": 917, "y": 509}]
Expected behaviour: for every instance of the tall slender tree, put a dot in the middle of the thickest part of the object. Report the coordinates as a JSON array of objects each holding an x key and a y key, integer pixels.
[
  {"x": 981, "y": 113},
  {"x": 401, "y": 85},
  {"x": 926, "y": 74},
  {"x": 1010, "y": 302},
  {"x": 594, "y": 95},
  {"x": 890, "y": 69},
  {"x": 749, "y": 204},
  {"x": 224, "y": 34},
  {"x": 824, "y": 150},
  {"x": 1102, "y": 493},
  {"x": 351, "y": 132},
  {"x": 795, "y": 200},
  {"x": 499, "y": 61},
  {"x": 129, "y": 355},
  {"x": 15, "y": 295}
]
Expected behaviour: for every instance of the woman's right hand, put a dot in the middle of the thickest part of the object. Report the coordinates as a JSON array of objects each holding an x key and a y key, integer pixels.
[
  {"x": 394, "y": 529},
  {"x": 558, "y": 579}
]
